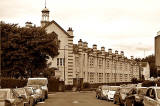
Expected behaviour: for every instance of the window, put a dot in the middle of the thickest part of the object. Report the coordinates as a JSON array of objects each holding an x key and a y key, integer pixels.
[
  {"x": 91, "y": 61},
  {"x": 57, "y": 61},
  {"x": 60, "y": 61},
  {"x": 100, "y": 63}
]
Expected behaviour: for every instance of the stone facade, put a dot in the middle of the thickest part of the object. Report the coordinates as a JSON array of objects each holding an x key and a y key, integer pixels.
[
  {"x": 157, "y": 51},
  {"x": 77, "y": 61},
  {"x": 99, "y": 66}
]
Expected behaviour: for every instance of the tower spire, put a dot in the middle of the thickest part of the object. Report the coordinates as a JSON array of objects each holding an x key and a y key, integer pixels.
[
  {"x": 45, "y": 3},
  {"x": 45, "y": 16}
]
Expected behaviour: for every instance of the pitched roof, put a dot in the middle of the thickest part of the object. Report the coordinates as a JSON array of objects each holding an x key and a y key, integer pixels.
[{"x": 58, "y": 27}]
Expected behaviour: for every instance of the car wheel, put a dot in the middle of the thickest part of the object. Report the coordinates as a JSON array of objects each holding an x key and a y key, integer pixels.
[
  {"x": 132, "y": 104},
  {"x": 97, "y": 97},
  {"x": 114, "y": 101},
  {"x": 107, "y": 98}
]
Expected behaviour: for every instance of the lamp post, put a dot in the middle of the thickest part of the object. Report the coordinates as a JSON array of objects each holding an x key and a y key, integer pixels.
[
  {"x": 64, "y": 64},
  {"x": 115, "y": 70},
  {"x": 0, "y": 54}
]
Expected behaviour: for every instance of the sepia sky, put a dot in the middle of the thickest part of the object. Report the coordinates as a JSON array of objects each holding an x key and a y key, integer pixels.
[{"x": 128, "y": 25}]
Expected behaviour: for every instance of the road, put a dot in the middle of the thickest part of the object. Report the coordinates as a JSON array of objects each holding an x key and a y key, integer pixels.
[{"x": 74, "y": 99}]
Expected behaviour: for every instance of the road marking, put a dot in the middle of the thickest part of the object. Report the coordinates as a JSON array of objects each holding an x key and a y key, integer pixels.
[
  {"x": 41, "y": 102},
  {"x": 51, "y": 94},
  {"x": 75, "y": 102}
]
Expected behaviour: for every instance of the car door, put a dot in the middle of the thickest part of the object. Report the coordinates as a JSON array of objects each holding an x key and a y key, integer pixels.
[
  {"x": 150, "y": 98},
  {"x": 17, "y": 101}
]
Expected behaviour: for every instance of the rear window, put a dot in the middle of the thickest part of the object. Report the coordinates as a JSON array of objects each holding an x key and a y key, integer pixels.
[
  {"x": 42, "y": 82},
  {"x": 3, "y": 94}
]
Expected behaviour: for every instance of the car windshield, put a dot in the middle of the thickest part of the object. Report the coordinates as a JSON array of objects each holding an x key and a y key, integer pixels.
[
  {"x": 20, "y": 91},
  {"x": 158, "y": 93},
  {"x": 3, "y": 94},
  {"x": 34, "y": 87},
  {"x": 104, "y": 87},
  {"x": 142, "y": 91},
  {"x": 37, "y": 82},
  {"x": 125, "y": 90},
  {"x": 113, "y": 88}
]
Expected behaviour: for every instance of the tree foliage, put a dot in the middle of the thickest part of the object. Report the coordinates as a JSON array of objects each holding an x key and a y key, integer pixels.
[
  {"x": 26, "y": 50},
  {"x": 151, "y": 60}
]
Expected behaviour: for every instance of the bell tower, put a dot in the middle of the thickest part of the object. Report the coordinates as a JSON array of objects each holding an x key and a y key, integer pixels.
[{"x": 45, "y": 16}]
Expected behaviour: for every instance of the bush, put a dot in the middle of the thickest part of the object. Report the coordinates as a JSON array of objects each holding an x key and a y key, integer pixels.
[
  {"x": 86, "y": 85},
  {"x": 68, "y": 87},
  {"x": 12, "y": 83},
  {"x": 134, "y": 80},
  {"x": 53, "y": 84}
]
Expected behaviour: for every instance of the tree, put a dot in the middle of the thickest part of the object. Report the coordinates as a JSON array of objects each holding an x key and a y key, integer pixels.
[{"x": 26, "y": 50}]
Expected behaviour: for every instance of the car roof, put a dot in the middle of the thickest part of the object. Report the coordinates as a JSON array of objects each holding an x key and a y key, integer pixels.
[{"x": 6, "y": 89}]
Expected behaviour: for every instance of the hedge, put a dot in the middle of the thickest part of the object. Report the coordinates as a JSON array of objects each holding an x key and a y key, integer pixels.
[
  {"x": 12, "y": 83},
  {"x": 53, "y": 84}
]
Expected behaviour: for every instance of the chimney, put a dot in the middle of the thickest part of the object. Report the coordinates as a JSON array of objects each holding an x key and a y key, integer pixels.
[
  {"x": 116, "y": 52},
  {"x": 80, "y": 45},
  {"x": 28, "y": 24},
  {"x": 122, "y": 54},
  {"x": 70, "y": 31},
  {"x": 94, "y": 47},
  {"x": 103, "y": 50},
  {"x": 85, "y": 45},
  {"x": 110, "y": 51},
  {"x": 132, "y": 57}
]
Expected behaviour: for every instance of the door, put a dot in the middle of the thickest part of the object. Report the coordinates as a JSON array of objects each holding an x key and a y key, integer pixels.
[{"x": 150, "y": 98}]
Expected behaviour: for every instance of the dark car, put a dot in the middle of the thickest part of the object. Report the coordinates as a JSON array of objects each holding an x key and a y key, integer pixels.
[
  {"x": 135, "y": 96},
  {"x": 101, "y": 92},
  {"x": 120, "y": 95}
]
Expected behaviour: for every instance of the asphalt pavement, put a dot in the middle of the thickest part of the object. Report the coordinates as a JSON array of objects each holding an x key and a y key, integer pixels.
[{"x": 85, "y": 98}]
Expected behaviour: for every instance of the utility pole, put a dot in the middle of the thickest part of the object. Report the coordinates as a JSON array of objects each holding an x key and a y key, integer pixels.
[
  {"x": 0, "y": 55},
  {"x": 64, "y": 65}
]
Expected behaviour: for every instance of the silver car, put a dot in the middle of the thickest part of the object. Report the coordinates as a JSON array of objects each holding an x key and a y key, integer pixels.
[
  {"x": 10, "y": 98},
  {"x": 23, "y": 93},
  {"x": 39, "y": 91}
]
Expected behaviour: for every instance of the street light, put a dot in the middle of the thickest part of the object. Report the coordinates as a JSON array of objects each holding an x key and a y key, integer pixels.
[{"x": 64, "y": 63}]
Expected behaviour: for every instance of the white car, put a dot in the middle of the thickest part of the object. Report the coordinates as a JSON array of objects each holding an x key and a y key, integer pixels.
[
  {"x": 110, "y": 95},
  {"x": 111, "y": 92}
]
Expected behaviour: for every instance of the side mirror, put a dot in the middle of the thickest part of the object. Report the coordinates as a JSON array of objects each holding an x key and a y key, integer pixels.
[{"x": 152, "y": 96}]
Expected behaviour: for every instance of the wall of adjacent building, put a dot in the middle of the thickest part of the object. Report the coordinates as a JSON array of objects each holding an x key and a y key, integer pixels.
[{"x": 157, "y": 50}]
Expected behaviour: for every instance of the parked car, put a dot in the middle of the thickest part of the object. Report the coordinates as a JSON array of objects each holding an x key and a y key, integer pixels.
[
  {"x": 101, "y": 92},
  {"x": 111, "y": 92},
  {"x": 39, "y": 92},
  {"x": 152, "y": 97},
  {"x": 32, "y": 93},
  {"x": 135, "y": 96},
  {"x": 10, "y": 98},
  {"x": 120, "y": 95},
  {"x": 23, "y": 93},
  {"x": 43, "y": 82}
]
